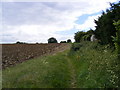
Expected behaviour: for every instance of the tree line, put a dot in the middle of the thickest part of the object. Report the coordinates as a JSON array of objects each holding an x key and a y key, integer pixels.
[
  {"x": 105, "y": 29},
  {"x": 50, "y": 40},
  {"x": 54, "y": 40}
]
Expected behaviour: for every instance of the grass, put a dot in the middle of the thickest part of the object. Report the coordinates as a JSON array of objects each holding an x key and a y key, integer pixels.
[
  {"x": 93, "y": 66},
  {"x": 96, "y": 66},
  {"x": 0, "y": 79},
  {"x": 45, "y": 72}
]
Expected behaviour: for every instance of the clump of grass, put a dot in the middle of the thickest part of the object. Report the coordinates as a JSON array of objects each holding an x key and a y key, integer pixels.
[{"x": 96, "y": 66}]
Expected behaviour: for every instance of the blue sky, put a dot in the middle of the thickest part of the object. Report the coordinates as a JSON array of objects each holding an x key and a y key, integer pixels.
[
  {"x": 84, "y": 17},
  {"x": 38, "y": 21}
]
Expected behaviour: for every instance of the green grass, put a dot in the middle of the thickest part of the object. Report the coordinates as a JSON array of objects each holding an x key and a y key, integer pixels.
[
  {"x": 0, "y": 79},
  {"x": 95, "y": 66},
  {"x": 45, "y": 72}
]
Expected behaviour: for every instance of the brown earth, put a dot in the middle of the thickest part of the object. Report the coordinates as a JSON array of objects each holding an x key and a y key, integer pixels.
[{"x": 13, "y": 54}]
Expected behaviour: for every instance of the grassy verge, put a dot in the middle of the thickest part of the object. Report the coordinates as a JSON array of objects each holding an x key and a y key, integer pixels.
[
  {"x": 96, "y": 65},
  {"x": 45, "y": 72}
]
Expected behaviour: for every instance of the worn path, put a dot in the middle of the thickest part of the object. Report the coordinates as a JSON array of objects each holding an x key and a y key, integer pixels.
[
  {"x": 70, "y": 65},
  {"x": 73, "y": 73}
]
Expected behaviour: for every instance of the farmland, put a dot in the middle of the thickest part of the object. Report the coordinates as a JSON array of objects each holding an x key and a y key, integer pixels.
[
  {"x": 92, "y": 60},
  {"x": 91, "y": 66},
  {"x": 17, "y": 53}
]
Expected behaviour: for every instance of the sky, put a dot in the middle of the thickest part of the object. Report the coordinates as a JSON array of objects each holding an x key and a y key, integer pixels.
[{"x": 37, "y": 21}]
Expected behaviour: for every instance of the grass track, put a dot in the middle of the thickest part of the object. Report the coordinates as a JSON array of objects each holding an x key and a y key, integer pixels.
[
  {"x": 72, "y": 73},
  {"x": 92, "y": 66},
  {"x": 45, "y": 72}
]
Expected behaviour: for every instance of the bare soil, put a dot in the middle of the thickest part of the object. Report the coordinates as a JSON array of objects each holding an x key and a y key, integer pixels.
[{"x": 13, "y": 54}]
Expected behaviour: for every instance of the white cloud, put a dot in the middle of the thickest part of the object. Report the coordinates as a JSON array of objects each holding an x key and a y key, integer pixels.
[
  {"x": 89, "y": 23},
  {"x": 0, "y": 22},
  {"x": 34, "y": 22},
  {"x": 33, "y": 33}
]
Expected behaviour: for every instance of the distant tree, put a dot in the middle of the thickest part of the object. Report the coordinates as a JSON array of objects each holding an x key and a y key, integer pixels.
[
  {"x": 52, "y": 40},
  {"x": 18, "y": 42},
  {"x": 37, "y": 43},
  {"x": 78, "y": 36},
  {"x": 83, "y": 36},
  {"x": 63, "y": 42},
  {"x": 90, "y": 32},
  {"x": 69, "y": 41},
  {"x": 88, "y": 35}
]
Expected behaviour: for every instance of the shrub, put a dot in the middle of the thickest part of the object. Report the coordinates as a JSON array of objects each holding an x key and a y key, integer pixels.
[
  {"x": 76, "y": 46},
  {"x": 52, "y": 40}
]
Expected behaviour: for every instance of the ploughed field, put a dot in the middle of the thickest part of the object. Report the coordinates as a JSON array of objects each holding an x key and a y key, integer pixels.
[{"x": 17, "y": 53}]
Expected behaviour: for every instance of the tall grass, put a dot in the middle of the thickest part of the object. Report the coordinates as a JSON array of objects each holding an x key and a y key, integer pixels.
[
  {"x": 45, "y": 72},
  {"x": 96, "y": 65}
]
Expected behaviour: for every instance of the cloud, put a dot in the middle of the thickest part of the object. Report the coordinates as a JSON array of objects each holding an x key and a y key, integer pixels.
[
  {"x": 89, "y": 23},
  {"x": 37, "y": 21},
  {"x": 32, "y": 33},
  {"x": 0, "y": 22}
]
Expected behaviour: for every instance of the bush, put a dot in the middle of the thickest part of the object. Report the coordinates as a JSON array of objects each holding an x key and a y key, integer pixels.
[
  {"x": 76, "y": 46},
  {"x": 52, "y": 40}
]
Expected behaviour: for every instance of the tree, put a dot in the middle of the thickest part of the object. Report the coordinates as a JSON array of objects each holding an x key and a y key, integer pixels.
[
  {"x": 69, "y": 41},
  {"x": 52, "y": 40},
  {"x": 104, "y": 25},
  {"x": 78, "y": 36},
  {"x": 90, "y": 32},
  {"x": 83, "y": 36},
  {"x": 18, "y": 42},
  {"x": 88, "y": 35},
  {"x": 117, "y": 38}
]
